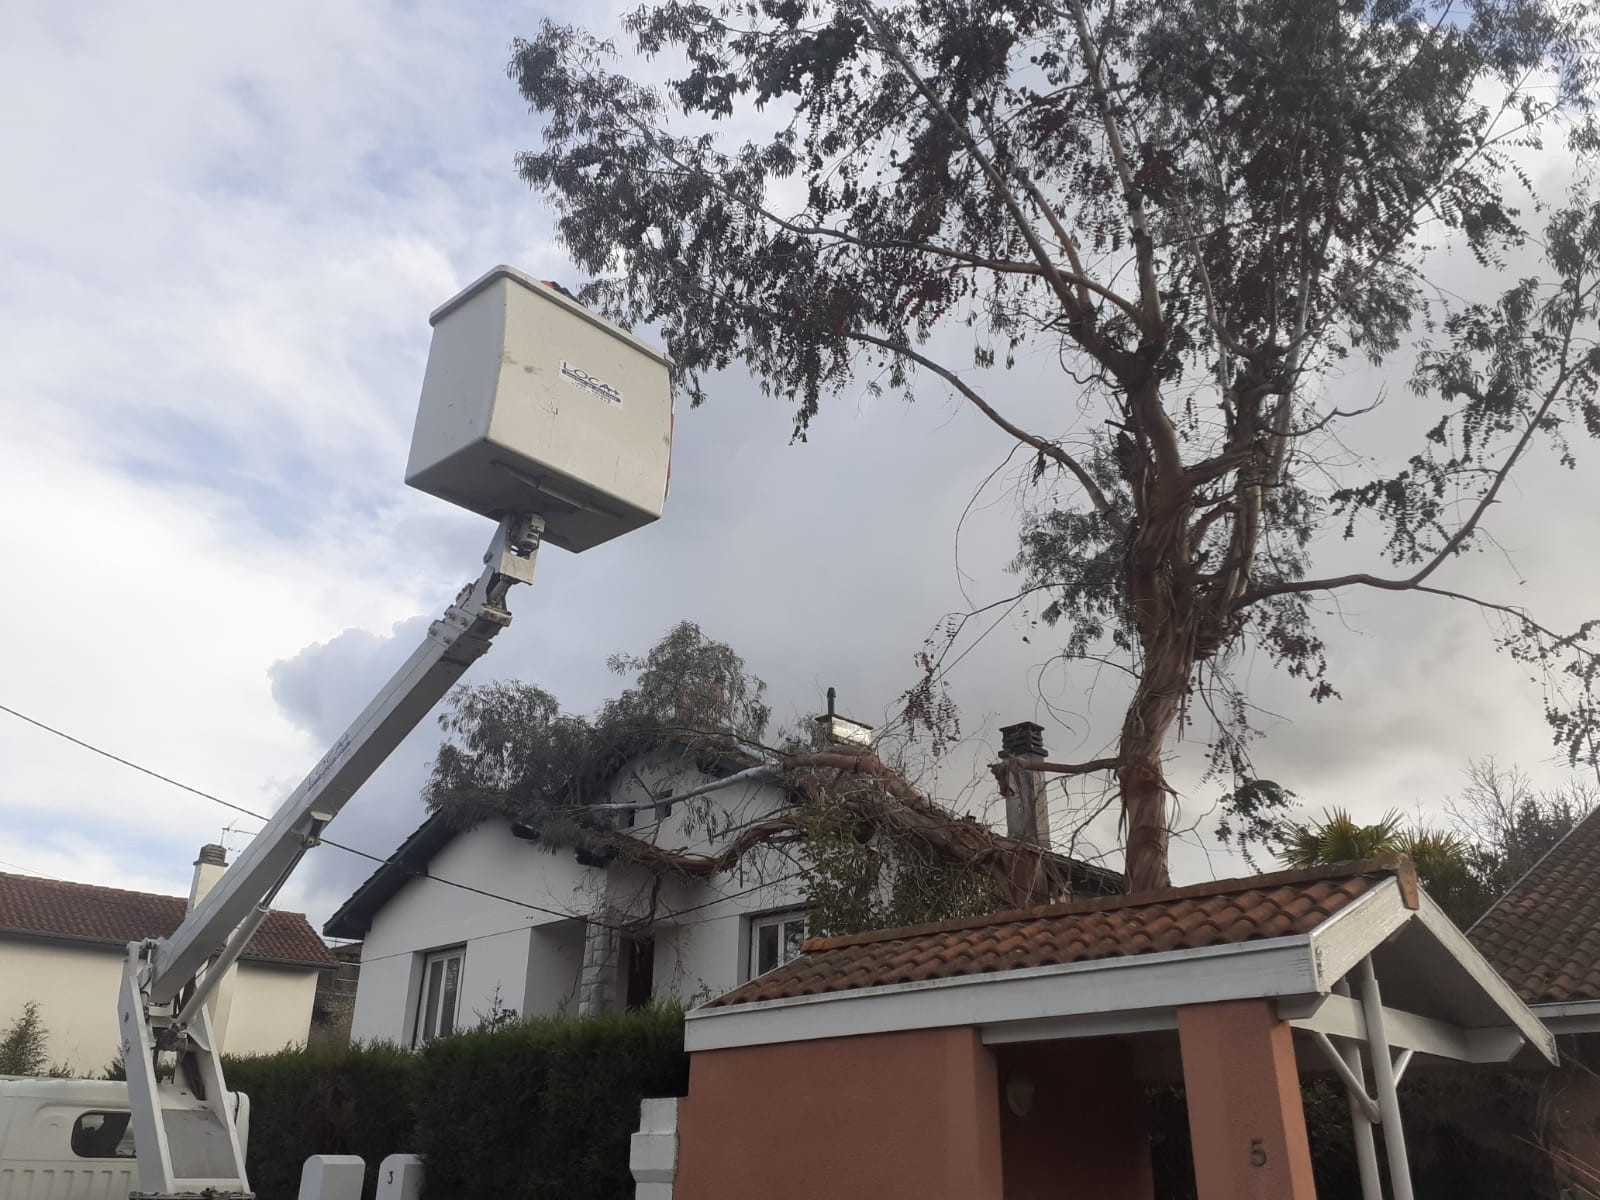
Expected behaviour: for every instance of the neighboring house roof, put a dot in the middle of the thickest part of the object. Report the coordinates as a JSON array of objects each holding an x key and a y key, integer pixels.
[
  {"x": 1210, "y": 914},
  {"x": 83, "y": 912},
  {"x": 1543, "y": 935}
]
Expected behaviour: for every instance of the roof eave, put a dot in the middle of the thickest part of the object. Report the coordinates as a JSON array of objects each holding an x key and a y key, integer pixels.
[{"x": 1282, "y": 966}]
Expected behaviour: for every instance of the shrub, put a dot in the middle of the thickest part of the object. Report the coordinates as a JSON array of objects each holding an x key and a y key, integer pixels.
[
  {"x": 525, "y": 1111},
  {"x": 544, "y": 1109},
  {"x": 22, "y": 1050},
  {"x": 355, "y": 1100}
]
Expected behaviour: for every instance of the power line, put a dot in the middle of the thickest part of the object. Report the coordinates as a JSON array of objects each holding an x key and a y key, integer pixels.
[
  {"x": 30, "y": 871},
  {"x": 239, "y": 808}
]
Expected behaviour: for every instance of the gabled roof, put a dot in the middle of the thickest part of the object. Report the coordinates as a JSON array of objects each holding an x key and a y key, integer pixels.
[
  {"x": 1543, "y": 935},
  {"x": 83, "y": 912},
  {"x": 1128, "y": 965},
  {"x": 962, "y": 837},
  {"x": 354, "y": 916},
  {"x": 1212, "y": 914}
]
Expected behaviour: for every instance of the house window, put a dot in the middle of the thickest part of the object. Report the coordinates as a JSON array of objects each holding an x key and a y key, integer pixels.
[
  {"x": 775, "y": 939},
  {"x": 439, "y": 1000}
]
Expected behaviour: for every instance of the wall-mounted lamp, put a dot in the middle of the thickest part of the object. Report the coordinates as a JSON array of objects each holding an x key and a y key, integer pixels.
[{"x": 1019, "y": 1095}]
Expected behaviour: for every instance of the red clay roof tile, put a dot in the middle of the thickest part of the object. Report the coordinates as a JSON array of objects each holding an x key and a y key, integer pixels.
[
  {"x": 86, "y": 913},
  {"x": 1543, "y": 936},
  {"x": 1221, "y": 913}
]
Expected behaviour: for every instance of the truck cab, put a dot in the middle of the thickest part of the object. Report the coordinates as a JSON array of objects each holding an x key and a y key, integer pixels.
[{"x": 71, "y": 1139}]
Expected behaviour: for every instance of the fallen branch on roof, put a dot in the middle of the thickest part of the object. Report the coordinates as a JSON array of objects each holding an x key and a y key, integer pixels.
[{"x": 1023, "y": 873}]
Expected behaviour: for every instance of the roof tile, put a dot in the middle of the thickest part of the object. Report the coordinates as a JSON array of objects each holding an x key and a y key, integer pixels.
[
  {"x": 1222, "y": 913},
  {"x": 87, "y": 913},
  {"x": 1543, "y": 935}
]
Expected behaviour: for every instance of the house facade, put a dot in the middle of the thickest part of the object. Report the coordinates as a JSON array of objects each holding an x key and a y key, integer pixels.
[
  {"x": 546, "y": 930},
  {"x": 462, "y": 925},
  {"x": 62, "y": 947}
]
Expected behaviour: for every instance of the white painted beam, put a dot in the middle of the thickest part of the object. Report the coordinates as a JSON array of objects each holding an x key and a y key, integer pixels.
[
  {"x": 1272, "y": 967},
  {"x": 1340, "y": 1016}
]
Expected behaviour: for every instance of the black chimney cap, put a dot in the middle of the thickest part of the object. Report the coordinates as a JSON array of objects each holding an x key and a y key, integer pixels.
[{"x": 1025, "y": 737}]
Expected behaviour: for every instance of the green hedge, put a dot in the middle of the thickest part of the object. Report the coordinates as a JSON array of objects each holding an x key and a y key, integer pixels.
[
  {"x": 535, "y": 1110},
  {"x": 346, "y": 1101},
  {"x": 544, "y": 1110}
]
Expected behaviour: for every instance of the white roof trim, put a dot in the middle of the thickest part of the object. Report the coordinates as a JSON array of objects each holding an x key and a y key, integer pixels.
[
  {"x": 1127, "y": 994},
  {"x": 1486, "y": 977},
  {"x": 1245, "y": 970},
  {"x": 1571, "y": 1016}
]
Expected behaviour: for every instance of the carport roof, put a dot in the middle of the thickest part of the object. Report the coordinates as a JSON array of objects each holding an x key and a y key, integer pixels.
[
  {"x": 1212, "y": 914},
  {"x": 1127, "y": 964}
]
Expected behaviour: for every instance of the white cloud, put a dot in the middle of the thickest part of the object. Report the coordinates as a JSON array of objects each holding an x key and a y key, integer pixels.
[{"x": 229, "y": 231}]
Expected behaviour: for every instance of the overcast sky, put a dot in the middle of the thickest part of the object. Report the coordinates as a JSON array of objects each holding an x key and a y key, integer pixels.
[{"x": 222, "y": 236}]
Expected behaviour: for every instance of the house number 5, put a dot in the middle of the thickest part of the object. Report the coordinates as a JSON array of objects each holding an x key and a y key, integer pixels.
[
  {"x": 1258, "y": 1152},
  {"x": 391, "y": 1175}
]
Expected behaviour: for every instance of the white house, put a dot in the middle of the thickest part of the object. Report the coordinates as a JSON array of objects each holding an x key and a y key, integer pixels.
[
  {"x": 62, "y": 947},
  {"x": 460, "y": 924},
  {"x": 546, "y": 930}
]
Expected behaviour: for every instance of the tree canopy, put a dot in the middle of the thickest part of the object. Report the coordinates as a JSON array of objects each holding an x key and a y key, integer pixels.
[
  {"x": 510, "y": 751},
  {"x": 1201, "y": 208},
  {"x": 1499, "y": 827}
]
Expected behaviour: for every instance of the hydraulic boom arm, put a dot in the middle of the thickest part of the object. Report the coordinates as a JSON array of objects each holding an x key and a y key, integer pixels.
[{"x": 183, "y": 1129}]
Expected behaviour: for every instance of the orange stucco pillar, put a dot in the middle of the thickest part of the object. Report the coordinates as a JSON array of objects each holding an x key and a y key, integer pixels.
[
  {"x": 1081, "y": 1131},
  {"x": 1245, "y": 1115},
  {"x": 893, "y": 1116}
]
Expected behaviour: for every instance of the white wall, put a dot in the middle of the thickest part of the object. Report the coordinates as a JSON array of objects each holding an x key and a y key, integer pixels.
[
  {"x": 76, "y": 990},
  {"x": 271, "y": 1008},
  {"x": 533, "y": 955},
  {"x": 75, "y": 986},
  {"x": 499, "y": 936}
]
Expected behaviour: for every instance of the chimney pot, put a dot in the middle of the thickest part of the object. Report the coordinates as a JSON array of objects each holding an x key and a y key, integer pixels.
[
  {"x": 208, "y": 869},
  {"x": 1023, "y": 738}
]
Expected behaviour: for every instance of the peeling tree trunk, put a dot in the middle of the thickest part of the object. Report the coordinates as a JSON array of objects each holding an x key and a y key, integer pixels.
[
  {"x": 1144, "y": 786},
  {"x": 1163, "y": 614}
]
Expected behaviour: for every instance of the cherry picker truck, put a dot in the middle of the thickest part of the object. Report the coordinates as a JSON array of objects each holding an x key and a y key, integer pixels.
[{"x": 535, "y": 412}]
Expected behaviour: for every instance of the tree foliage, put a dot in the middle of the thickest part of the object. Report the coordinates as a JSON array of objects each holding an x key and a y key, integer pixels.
[
  {"x": 511, "y": 752},
  {"x": 1200, "y": 208},
  {"x": 1501, "y": 827},
  {"x": 24, "y": 1049}
]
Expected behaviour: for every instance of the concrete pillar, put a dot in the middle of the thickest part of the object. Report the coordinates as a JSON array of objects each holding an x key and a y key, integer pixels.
[
  {"x": 1072, "y": 1121},
  {"x": 599, "y": 970},
  {"x": 888, "y": 1116},
  {"x": 332, "y": 1177},
  {"x": 400, "y": 1177},
  {"x": 1245, "y": 1117},
  {"x": 653, "y": 1151}
]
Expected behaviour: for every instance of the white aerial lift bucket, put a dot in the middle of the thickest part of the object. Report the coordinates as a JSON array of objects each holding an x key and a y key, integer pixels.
[{"x": 532, "y": 403}]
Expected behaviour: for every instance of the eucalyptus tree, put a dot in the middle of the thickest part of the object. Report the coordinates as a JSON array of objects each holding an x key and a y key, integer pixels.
[{"x": 1198, "y": 206}]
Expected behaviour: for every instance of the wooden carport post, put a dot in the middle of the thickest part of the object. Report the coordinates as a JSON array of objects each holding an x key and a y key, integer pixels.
[{"x": 1246, "y": 1121}]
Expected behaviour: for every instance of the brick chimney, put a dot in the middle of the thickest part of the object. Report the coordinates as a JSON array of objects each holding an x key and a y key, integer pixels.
[
  {"x": 1027, "y": 805},
  {"x": 208, "y": 869}
]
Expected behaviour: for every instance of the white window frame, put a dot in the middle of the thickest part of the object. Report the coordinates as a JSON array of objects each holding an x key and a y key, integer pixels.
[
  {"x": 781, "y": 921},
  {"x": 426, "y": 1026}
]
